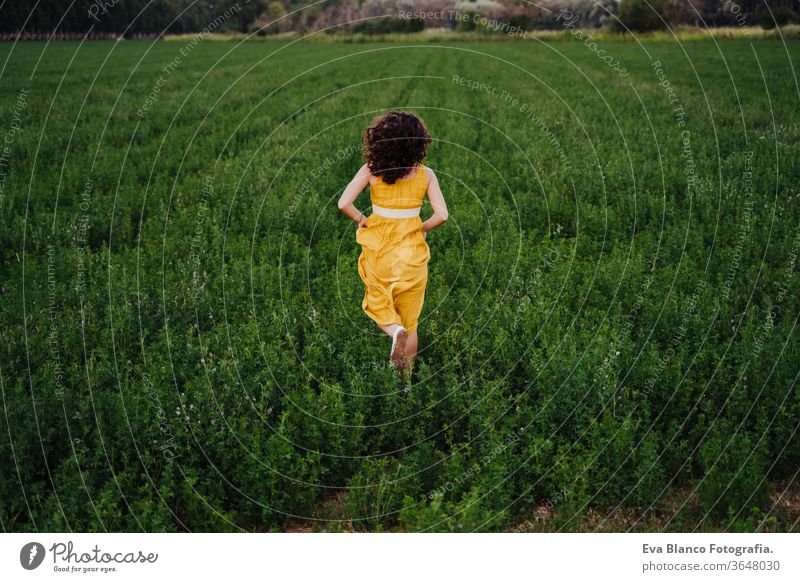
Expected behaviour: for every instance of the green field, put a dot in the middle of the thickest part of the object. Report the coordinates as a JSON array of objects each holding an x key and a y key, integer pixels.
[{"x": 609, "y": 340}]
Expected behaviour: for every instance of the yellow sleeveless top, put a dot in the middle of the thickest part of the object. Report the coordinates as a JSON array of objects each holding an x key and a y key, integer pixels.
[
  {"x": 394, "y": 255},
  {"x": 403, "y": 194}
]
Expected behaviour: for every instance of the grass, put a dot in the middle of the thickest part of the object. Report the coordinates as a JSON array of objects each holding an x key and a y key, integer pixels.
[{"x": 610, "y": 323}]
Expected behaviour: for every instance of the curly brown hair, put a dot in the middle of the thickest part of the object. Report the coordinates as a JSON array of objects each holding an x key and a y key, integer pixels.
[{"x": 395, "y": 143}]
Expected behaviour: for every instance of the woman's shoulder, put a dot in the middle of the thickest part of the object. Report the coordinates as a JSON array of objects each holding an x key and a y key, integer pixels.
[
  {"x": 365, "y": 173},
  {"x": 429, "y": 175}
]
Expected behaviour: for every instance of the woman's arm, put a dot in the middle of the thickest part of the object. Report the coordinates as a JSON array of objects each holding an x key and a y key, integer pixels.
[
  {"x": 436, "y": 199},
  {"x": 354, "y": 188}
]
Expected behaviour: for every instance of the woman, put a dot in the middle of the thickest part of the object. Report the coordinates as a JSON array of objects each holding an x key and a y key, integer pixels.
[{"x": 394, "y": 256}]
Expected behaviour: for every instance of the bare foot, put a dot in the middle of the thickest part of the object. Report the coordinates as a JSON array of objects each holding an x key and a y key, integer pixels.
[{"x": 398, "y": 355}]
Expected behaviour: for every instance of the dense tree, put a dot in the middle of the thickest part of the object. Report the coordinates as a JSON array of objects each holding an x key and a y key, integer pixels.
[
  {"x": 642, "y": 15},
  {"x": 593, "y": 13},
  {"x": 127, "y": 16},
  {"x": 780, "y": 15}
]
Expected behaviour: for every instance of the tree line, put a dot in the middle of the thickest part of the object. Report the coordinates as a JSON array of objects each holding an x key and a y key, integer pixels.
[{"x": 134, "y": 18}]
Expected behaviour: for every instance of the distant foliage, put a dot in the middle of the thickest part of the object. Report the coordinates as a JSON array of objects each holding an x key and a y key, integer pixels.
[
  {"x": 593, "y": 13},
  {"x": 779, "y": 15},
  {"x": 263, "y": 17},
  {"x": 642, "y": 15},
  {"x": 389, "y": 25}
]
